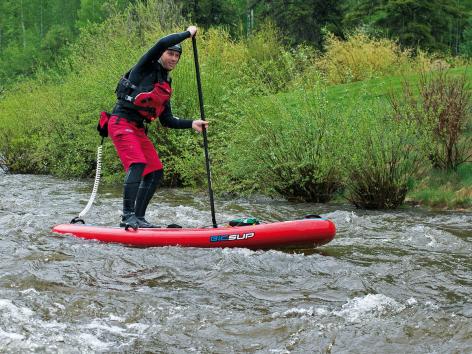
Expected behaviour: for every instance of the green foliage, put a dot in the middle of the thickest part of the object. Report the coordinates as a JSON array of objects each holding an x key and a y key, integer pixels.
[
  {"x": 384, "y": 158},
  {"x": 232, "y": 71},
  {"x": 33, "y": 33},
  {"x": 466, "y": 45},
  {"x": 445, "y": 189},
  {"x": 59, "y": 113},
  {"x": 16, "y": 60},
  {"x": 274, "y": 127},
  {"x": 55, "y": 41},
  {"x": 361, "y": 57},
  {"x": 443, "y": 111},
  {"x": 63, "y": 107},
  {"x": 434, "y": 25},
  {"x": 289, "y": 144},
  {"x": 212, "y": 13},
  {"x": 91, "y": 11},
  {"x": 302, "y": 21},
  {"x": 272, "y": 68},
  {"x": 37, "y": 33}
]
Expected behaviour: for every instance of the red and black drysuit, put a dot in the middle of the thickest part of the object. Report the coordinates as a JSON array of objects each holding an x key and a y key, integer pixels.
[{"x": 126, "y": 129}]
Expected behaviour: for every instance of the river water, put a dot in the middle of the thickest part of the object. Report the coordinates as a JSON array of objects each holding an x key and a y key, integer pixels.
[{"x": 390, "y": 282}]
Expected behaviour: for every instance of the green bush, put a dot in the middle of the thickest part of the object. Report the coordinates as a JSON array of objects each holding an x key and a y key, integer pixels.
[
  {"x": 384, "y": 159},
  {"x": 362, "y": 56},
  {"x": 443, "y": 110},
  {"x": 288, "y": 144}
]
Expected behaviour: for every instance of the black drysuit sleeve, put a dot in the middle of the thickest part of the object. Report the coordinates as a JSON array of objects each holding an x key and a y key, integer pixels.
[{"x": 145, "y": 63}]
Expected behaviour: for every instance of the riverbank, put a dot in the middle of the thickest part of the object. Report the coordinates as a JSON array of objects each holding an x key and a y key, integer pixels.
[{"x": 445, "y": 190}]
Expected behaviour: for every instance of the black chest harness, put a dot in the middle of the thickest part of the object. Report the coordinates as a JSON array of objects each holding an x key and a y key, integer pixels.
[{"x": 148, "y": 98}]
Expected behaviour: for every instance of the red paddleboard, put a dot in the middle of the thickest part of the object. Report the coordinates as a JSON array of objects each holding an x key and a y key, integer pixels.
[{"x": 297, "y": 233}]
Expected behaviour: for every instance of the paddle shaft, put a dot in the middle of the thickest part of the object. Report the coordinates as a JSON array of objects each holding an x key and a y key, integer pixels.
[{"x": 205, "y": 138}]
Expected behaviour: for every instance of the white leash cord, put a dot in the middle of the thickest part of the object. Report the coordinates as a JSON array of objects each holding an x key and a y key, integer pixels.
[{"x": 95, "y": 184}]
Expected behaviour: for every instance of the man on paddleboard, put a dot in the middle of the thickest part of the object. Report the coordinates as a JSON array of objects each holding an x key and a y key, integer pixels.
[{"x": 143, "y": 94}]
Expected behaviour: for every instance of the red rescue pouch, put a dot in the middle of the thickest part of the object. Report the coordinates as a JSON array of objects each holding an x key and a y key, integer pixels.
[
  {"x": 156, "y": 99},
  {"x": 102, "y": 126}
]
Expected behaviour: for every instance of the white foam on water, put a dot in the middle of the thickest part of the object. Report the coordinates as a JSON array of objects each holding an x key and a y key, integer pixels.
[
  {"x": 271, "y": 254},
  {"x": 321, "y": 312},
  {"x": 93, "y": 342},
  {"x": 9, "y": 336},
  {"x": 298, "y": 312},
  {"x": 301, "y": 312},
  {"x": 102, "y": 327},
  {"x": 370, "y": 305},
  {"x": 279, "y": 351},
  {"x": 428, "y": 234},
  {"x": 8, "y": 309},
  {"x": 53, "y": 325},
  {"x": 432, "y": 305},
  {"x": 346, "y": 216},
  {"x": 175, "y": 313},
  {"x": 350, "y": 217},
  {"x": 116, "y": 318},
  {"x": 433, "y": 242},
  {"x": 139, "y": 327},
  {"x": 411, "y": 301},
  {"x": 60, "y": 306},
  {"x": 239, "y": 251}
]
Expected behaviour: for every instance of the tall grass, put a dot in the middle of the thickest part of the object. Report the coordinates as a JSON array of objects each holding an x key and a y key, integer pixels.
[
  {"x": 290, "y": 147},
  {"x": 445, "y": 189}
]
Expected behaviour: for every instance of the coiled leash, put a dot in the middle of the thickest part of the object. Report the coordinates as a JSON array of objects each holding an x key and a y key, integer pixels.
[{"x": 98, "y": 170}]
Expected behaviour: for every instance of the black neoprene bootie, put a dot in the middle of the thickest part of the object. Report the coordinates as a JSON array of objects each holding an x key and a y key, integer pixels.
[
  {"x": 145, "y": 192},
  {"x": 130, "y": 191},
  {"x": 142, "y": 222},
  {"x": 129, "y": 221}
]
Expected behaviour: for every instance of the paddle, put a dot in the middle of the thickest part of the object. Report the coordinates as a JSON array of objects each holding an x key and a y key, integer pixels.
[{"x": 205, "y": 139}]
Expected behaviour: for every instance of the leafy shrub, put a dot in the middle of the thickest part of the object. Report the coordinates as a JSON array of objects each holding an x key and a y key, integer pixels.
[
  {"x": 289, "y": 144},
  {"x": 384, "y": 159},
  {"x": 360, "y": 57},
  {"x": 268, "y": 64},
  {"x": 443, "y": 109}
]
